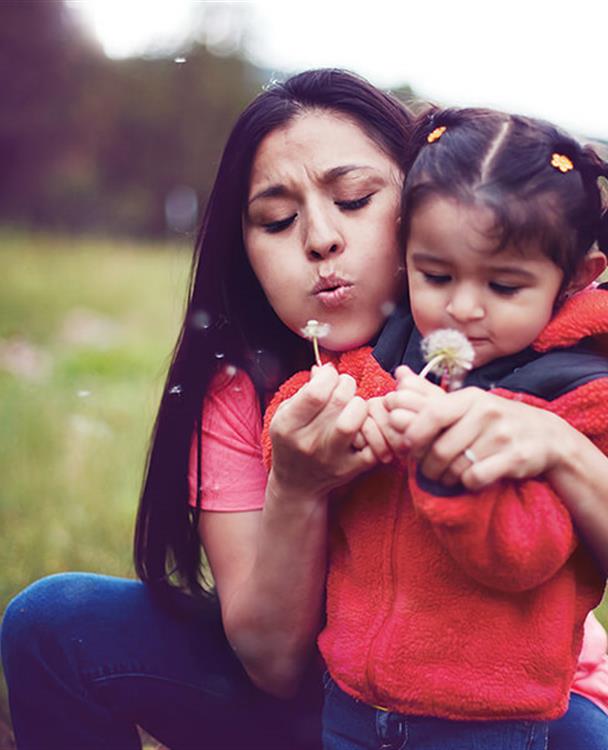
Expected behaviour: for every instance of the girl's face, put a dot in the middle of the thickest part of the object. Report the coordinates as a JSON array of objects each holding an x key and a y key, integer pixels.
[
  {"x": 500, "y": 301},
  {"x": 320, "y": 227}
]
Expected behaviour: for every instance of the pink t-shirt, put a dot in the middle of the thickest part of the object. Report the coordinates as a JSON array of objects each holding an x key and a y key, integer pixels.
[
  {"x": 233, "y": 473},
  {"x": 234, "y": 479},
  {"x": 591, "y": 678}
]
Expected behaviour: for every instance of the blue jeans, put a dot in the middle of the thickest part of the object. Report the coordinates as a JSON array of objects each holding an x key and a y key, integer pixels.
[
  {"x": 583, "y": 727},
  {"x": 349, "y": 724},
  {"x": 87, "y": 658}
]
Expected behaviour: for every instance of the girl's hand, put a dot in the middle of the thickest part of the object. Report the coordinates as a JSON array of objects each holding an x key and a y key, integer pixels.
[
  {"x": 390, "y": 415},
  {"x": 412, "y": 394},
  {"x": 377, "y": 432},
  {"x": 312, "y": 435},
  {"x": 476, "y": 438}
]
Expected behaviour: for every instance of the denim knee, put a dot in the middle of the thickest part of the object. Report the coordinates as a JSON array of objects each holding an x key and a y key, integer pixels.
[{"x": 37, "y": 616}]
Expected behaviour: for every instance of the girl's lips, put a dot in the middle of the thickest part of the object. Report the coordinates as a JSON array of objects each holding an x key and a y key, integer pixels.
[{"x": 335, "y": 297}]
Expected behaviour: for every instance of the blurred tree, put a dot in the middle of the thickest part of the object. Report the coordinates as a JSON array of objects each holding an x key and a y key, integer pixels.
[
  {"x": 38, "y": 53},
  {"x": 90, "y": 143}
]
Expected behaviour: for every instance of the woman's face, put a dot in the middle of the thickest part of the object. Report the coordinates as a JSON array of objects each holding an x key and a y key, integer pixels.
[{"x": 320, "y": 227}]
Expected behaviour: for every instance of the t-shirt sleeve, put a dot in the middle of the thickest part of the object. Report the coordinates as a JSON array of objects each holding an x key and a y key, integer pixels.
[{"x": 233, "y": 477}]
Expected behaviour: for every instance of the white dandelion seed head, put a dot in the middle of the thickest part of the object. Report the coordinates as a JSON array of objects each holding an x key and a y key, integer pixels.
[
  {"x": 315, "y": 330},
  {"x": 450, "y": 350}
]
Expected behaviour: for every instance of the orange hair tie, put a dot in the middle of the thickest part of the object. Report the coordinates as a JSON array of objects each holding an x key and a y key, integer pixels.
[
  {"x": 561, "y": 162},
  {"x": 436, "y": 134}
]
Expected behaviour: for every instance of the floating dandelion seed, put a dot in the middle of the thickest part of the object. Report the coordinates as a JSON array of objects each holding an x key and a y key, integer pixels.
[
  {"x": 179, "y": 60},
  {"x": 313, "y": 331},
  {"x": 83, "y": 393},
  {"x": 175, "y": 390},
  {"x": 449, "y": 354},
  {"x": 219, "y": 355},
  {"x": 200, "y": 319},
  {"x": 230, "y": 371}
]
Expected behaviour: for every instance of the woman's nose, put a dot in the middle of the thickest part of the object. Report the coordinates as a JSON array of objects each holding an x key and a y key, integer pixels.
[
  {"x": 323, "y": 236},
  {"x": 465, "y": 304}
]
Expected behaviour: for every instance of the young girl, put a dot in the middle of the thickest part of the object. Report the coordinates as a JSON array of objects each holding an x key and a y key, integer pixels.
[
  {"x": 88, "y": 658},
  {"x": 454, "y": 619}
]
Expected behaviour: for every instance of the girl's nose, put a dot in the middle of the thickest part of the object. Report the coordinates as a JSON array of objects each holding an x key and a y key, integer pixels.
[
  {"x": 323, "y": 237},
  {"x": 465, "y": 304}
]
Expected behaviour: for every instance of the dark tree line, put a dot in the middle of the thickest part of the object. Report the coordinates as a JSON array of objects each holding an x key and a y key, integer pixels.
[{"x": 89, "y": 143}]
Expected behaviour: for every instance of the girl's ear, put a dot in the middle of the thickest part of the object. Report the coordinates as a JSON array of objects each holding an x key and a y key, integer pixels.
[{"x": 592, "y": 266}]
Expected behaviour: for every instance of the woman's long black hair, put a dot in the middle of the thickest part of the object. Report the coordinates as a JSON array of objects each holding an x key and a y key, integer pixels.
[
  {"x": 541, "y": 184},
  {"x": 228, "y": 320}
]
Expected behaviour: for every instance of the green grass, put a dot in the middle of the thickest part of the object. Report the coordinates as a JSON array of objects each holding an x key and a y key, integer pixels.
[{"x": 73, "y": 437}]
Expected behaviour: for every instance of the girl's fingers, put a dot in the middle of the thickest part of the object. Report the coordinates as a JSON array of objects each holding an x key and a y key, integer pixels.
[
  {"x": 375, "y": 440},
  {"x": 435, "y": 416},
  {"x": 409, "y": 380},
  {"x": 407, "y": 399}
]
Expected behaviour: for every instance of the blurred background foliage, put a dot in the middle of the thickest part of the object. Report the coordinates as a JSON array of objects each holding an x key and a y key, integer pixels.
[{"x": 93, "y": 144}]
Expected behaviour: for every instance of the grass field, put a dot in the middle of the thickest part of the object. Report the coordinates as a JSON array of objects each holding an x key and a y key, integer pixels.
[{"x": 86, "y": 329}]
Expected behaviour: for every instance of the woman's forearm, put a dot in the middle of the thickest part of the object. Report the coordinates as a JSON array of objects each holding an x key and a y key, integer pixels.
[
  {"x": 580, "y": 477},
  {"x": 273, "y": 617}
]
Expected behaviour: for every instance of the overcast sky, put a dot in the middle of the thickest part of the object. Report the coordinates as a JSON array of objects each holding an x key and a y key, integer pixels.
[{"x": 541, "y": 57}]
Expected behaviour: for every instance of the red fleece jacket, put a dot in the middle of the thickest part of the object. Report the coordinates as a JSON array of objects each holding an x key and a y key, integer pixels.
[{"x": 467, "y": 607}]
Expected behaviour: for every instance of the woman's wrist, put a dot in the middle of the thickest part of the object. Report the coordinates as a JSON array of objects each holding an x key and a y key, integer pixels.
[
  {"x": 565, "y": 461},
  {"x": 279, "y": 490}
]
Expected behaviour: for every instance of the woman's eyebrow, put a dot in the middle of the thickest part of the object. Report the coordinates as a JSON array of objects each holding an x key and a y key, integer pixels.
[
  {"x": 331, "y": 175},
  {"x": 336, "y": 172},
  {"x": 272, "y": 191}
]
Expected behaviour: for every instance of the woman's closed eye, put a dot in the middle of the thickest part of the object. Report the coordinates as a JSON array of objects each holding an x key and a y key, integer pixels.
[
  {"x": 355, "y": 204},
  {"x": 273, "y": 227}
]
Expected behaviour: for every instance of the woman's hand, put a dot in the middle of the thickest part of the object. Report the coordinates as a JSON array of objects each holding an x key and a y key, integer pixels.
[
  {"x": 312, "y": 435},
  {"x": 472, "y": 436}
]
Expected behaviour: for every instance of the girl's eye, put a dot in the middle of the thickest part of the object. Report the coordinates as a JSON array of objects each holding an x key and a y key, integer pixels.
[
  {"x": 355, "y": 204},
  {"x": 506, "y": 290},
  {"x": 436, "y": 278},
  {"x": 273, "y": 227}
]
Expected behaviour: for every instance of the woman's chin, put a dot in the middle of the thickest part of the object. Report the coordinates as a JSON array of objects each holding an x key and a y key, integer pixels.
[{"x": 339, "y": 344}]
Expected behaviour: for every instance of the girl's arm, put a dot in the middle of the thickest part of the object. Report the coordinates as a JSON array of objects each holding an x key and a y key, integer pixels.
[
  {"x": 269, "y": 566},
  {"x": 511, "y": 440}
]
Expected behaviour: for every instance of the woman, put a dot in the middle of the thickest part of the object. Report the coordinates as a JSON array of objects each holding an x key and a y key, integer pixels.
[{"x": 110, "y": 654}]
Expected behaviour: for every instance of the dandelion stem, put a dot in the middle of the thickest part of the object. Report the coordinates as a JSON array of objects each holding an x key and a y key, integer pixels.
[
  {"x": 430, "y": 364},
  {"x": 315, "y": 346}
]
